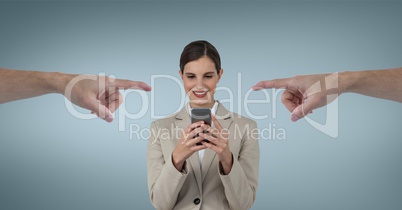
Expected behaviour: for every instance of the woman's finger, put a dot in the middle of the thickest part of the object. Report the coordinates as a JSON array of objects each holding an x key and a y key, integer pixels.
[
  {"x": 198, "y": 147},
  {"x": 193, "y": 125},
  {"x": 214, "y": 132},
  {"x": 211, "y": 146},
  {"x": 192, "y": 134},
  {"x": 193, "y": 141},
  {"x": 216, "y": 123},
  {"x": 211, "y": 138}
]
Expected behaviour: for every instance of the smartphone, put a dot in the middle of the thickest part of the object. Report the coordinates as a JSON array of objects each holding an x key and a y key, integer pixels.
[{"x": 201, "y": 114}]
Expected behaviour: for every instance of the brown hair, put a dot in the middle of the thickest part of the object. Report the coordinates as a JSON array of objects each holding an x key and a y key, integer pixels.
[{"x": 197, "y": 49}]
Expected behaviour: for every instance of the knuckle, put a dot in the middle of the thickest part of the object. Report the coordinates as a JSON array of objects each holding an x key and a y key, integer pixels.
[{"x": 296, "y": 77}]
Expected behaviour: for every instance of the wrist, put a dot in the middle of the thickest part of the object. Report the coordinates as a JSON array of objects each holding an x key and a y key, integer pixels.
[
  {"x": 57, "y": 81},
  {"x": 225, "y": 168},
  {"x": 346, "y": 82},
  {"x": 228, "y": 161},
  {"x": 178, "y": 164}
]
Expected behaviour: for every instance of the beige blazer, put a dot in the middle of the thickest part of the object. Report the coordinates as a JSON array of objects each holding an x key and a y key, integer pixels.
[{"x": 203, "y": 187}]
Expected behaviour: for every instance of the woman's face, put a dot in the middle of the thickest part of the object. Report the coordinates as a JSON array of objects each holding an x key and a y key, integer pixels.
[{"x": 200, "y": 79}]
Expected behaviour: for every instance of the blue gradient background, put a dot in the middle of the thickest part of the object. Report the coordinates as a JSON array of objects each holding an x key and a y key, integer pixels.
[{"x": 51, "y": 160}]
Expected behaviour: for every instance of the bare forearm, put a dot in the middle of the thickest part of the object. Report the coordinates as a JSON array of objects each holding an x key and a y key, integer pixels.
[
  {"x": 19, "y": 84},
  {"x": 385, "y": 84}
]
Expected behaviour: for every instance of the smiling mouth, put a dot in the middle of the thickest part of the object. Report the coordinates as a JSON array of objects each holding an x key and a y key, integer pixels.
[{"x": 200, "y": 94}]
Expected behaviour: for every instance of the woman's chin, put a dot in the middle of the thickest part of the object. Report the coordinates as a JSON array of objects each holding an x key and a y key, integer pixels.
[{"x": 200, "y": 102}]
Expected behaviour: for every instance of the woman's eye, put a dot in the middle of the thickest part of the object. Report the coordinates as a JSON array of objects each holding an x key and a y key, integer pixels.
[
  {"x": 191, "y": 77},
  {"x": 208, "y": 76}
]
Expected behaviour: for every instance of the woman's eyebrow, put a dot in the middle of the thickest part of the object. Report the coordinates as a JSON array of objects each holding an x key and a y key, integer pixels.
[{"x": 189, "y": 73}]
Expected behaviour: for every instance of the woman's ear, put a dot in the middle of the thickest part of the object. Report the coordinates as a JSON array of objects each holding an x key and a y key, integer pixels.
[
  {"x": 220, "y": 74},
  {"x": 181, "y": 74}
]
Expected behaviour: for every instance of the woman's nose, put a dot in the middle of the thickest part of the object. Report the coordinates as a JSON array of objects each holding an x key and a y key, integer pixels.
[{"x": 200, "y": 83}]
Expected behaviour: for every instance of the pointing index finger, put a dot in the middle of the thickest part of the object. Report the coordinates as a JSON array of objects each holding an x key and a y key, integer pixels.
[
  {"x": 129, "y": 84},
  {"x": 275, "y": 83}
]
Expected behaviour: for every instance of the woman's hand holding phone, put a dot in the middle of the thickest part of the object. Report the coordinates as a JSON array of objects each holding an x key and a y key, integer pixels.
[
  {"x": 218, "y": 138},
  {"x": 188, "y": 144},
  {"x": 194, "y": 139}
]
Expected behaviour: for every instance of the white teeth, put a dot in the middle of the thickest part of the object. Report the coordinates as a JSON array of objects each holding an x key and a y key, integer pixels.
[{"x": 198, "y": 93}]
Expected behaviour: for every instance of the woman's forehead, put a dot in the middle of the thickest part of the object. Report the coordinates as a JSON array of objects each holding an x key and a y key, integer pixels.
[{"x": 200, "y": 66}]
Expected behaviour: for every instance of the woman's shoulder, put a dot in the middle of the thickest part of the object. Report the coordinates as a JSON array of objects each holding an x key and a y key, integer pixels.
[
  {"x": 241, "y": 119},
  {"x": 168, "y": 119},
  {"x": 237, "y": 118}
]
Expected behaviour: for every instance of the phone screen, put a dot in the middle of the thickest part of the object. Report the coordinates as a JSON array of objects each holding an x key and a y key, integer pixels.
[{"x": 201, "y": 114}]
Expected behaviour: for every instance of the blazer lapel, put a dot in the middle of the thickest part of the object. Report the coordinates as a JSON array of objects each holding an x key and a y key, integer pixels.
[
  {"x": 182, "y": 121},
  {"x": 224, "y": 118}
]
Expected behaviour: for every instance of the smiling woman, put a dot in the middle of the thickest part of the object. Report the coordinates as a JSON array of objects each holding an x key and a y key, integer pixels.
[
  {"x": 185, "y": 172},
  {"x": 200, "y": 70}
]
